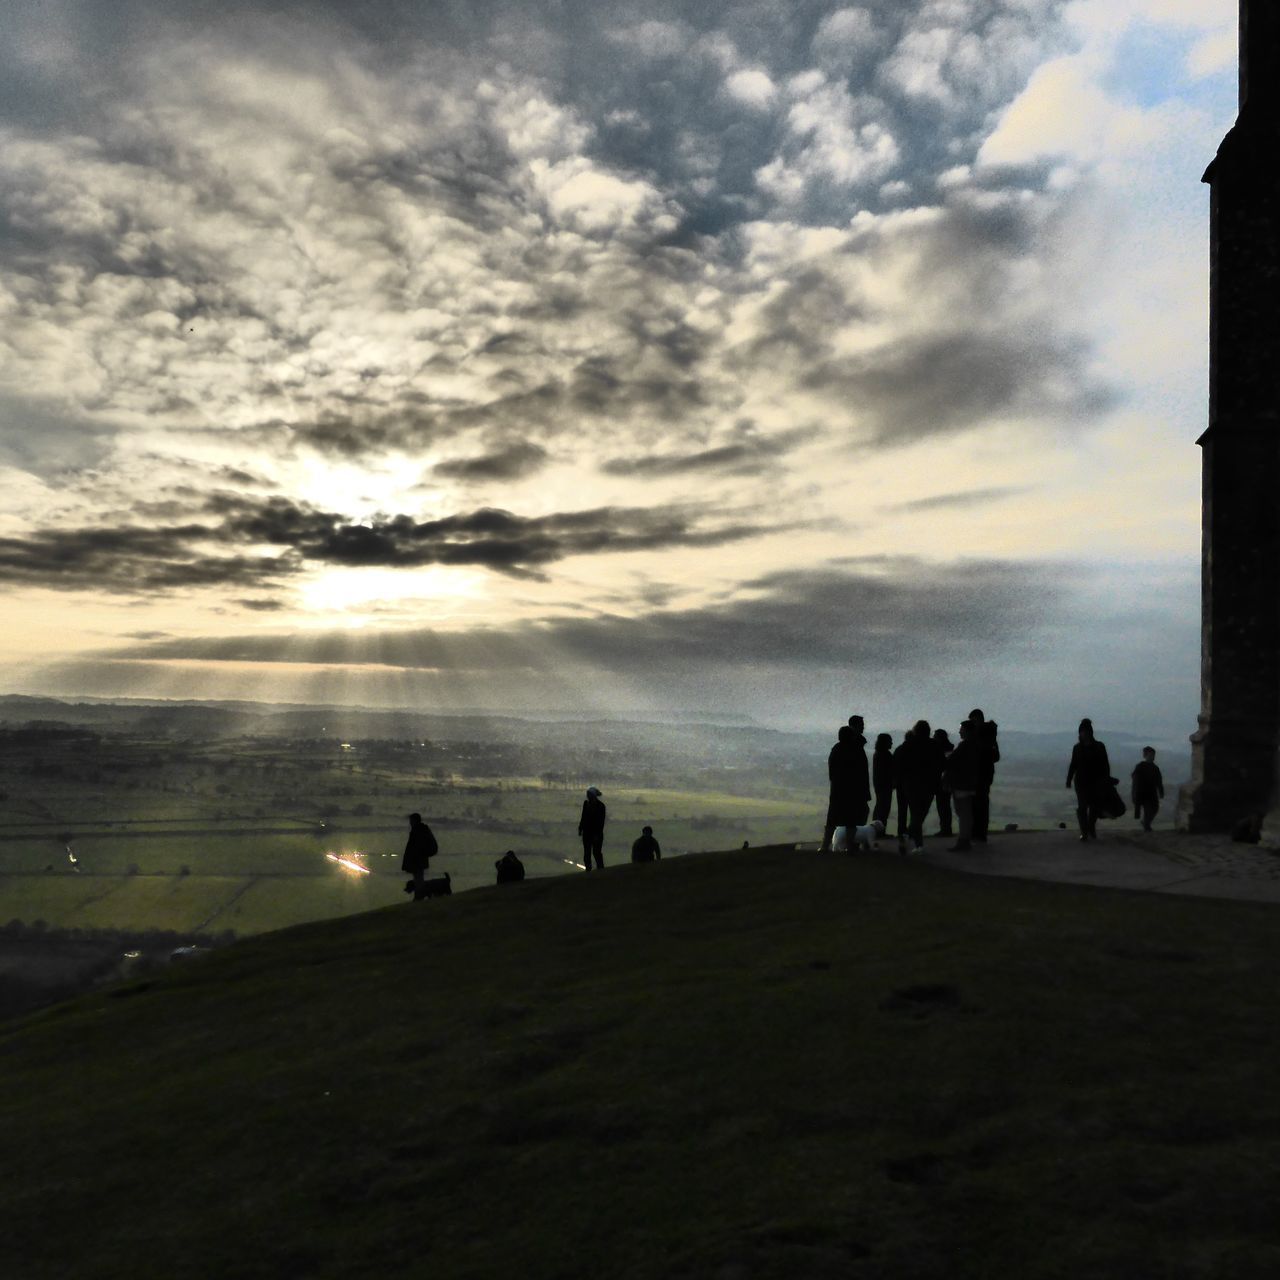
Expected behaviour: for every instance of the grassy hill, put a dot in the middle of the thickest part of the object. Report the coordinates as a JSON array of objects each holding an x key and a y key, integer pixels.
[{"x": 757, "y": 1064}]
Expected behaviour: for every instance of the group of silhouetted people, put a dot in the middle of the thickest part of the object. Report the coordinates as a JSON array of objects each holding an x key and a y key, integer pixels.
[
  {"x": 926, "y": 768},
  {"x": 422, "y": 846}
]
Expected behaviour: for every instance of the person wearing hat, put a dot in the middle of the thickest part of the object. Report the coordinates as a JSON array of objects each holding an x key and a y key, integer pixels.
[
  {"x": 419, "y": 849},
  {"x": 591, "y": 828},
  {"x": 645, "y": 848}
]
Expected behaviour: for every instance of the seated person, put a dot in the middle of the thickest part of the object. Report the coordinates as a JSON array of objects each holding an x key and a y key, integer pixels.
[
  {"x": 646, "y": 848},
  {"x": 510, "y": 868}
]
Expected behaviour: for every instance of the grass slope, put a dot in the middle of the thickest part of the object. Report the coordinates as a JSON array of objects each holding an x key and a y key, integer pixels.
[{"x": 757, "y": 1064}]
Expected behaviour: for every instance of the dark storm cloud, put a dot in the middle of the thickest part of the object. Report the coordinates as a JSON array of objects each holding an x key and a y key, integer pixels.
[
  {"x": 510, "y": 463},
  {"x": 155, "y": 560},
  {"x": 876, "y": 615},
  {"x": 971, "y": 498}
]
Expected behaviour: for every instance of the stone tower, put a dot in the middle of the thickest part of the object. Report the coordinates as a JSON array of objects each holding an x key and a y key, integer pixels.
[{"x": 1234, "y": 762}]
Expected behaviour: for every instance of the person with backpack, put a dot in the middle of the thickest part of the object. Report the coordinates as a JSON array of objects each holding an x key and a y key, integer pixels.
[
  {"x": 419, "y": 849},
  {"x": 591, "y": 828},
  {"x": 645, "y": 848}
]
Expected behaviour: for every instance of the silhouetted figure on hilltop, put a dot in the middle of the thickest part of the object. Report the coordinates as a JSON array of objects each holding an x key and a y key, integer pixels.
[
  {"x": 510, "y": 868},
  {"x": 591, "y": 828},
  {"x": 1148, "y": 788},
  {"x": 900, "y": 755},
  {"x": 943, "y": 799},
  {"x": 644, "y": 848},
  {"x": 419, "y": 849},
  {"x": 988, "y": 753},
  {"x": 920, "y": 767},
  {"x": 859, "y": 776},
  {"x": 1090, "y": 772},
  {"x": 882, "y": 779},
  {"x": 847, "y": 772},
  {"x": 960, "y": 777}
]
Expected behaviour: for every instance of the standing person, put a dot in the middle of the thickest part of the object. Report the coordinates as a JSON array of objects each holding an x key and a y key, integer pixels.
[
  {"x": 988, "y": 753},
  {"x": 943, "y": 799},
  {"x": 1148, "y": 788},
  {"x": 591, "y": 828},
  {"x": 837, "y": 769},
  {"x": 960, "y": 777},
  {"x": 1090, "y": 771},
  {"x": 900, "y": 787},
  {"x": 645, "y": 848},
  {"x": 419, "y": 849},
  {"x": 882, "y": 778},
  {"x": 859, "y": 778},
  {"x": 922, "y": 766}
]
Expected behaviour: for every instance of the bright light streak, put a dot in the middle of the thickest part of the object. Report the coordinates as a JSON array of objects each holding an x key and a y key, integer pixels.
[
  {"x": 571, "y": 863},
  {"x": 349, "y": 863},
  {"x": 75, "y": 862}
]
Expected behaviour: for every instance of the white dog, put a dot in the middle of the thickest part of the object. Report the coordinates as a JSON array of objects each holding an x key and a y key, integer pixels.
[
  {"x": 862, "y": 837},
  {"x": 866, "y": 838}
]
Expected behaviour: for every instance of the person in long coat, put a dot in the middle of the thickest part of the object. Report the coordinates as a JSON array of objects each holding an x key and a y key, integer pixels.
[
  {"x": 1090, "y": 773},
  {"x": 419, "y": 849},
  {"x": 900, "y": 767},
  {"x": 846, "y": 767},
  {"x": 859, "y": 776}
]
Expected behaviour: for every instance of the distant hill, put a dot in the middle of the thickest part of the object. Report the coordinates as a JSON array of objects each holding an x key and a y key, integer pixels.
[{"x": 760, "y": 1064}]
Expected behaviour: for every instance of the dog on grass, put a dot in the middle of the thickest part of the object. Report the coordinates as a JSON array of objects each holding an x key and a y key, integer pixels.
[{"x": 437, "y": 888}]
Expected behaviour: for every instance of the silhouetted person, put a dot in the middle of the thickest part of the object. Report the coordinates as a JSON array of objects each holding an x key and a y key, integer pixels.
[
  {"x": 1148, "y": 788},
  {"x": 882, "y": 779},
  {"x": 419, "y": 849},
  {"x": 510, "y": 868},
  {"x": 921, "y": 768},
  {"x": 988, "y": 752},
  {"x": 899, "y": 787},
  {"x": 847, "y": 769},
  {"x": 960, "y": 776},
  {"x": 644, "y": 848},
  {"x": 943, "y": 798},
  {"x": 860, "y": 778},
  {"x": 1090, "y": 772},
  {"x": 591, "y": 828},
  {"x": 849, "y": 799}
]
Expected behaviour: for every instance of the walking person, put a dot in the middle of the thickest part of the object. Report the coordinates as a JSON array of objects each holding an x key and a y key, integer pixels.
[
  {"x": 419, "y": 849},
  {"x": 1090, "y": 773},
  {"x": 882, "y": 779},
  {"x": 921, "y": 770},
  {"x": 943, "y": 799},
  {"x": 591, "y": 829},
  {"x": 988, "y": 753},
  {"x": 960, "y": 777},
  {"x": 644, "y": 848},
  {"x": 1147, "y": 788}
]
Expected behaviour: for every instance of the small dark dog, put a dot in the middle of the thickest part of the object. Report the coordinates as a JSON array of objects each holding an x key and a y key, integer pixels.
[{"x": 437, "y": 888}]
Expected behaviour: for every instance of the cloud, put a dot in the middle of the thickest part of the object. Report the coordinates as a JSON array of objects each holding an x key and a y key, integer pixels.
[
  {"x": 135, "y": 560},
  {"x": 970, "y": 498},
  {"x": 508, "y": 463},
  {"x": 747, "y": 453},
  {"x": 887, "y": 617}
]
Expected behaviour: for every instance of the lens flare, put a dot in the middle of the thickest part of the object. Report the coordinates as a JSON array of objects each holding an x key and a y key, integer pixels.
[{"x": 349, "y": 863}]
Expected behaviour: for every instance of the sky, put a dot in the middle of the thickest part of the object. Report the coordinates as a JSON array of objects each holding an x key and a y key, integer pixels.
[{"x": 681, "y": 357}]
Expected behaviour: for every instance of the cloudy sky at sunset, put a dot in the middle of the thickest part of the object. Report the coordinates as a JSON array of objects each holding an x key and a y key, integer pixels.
[{"x": 762, "y": 357}]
